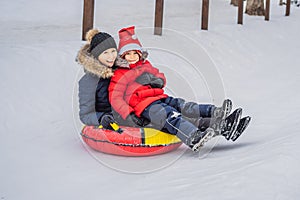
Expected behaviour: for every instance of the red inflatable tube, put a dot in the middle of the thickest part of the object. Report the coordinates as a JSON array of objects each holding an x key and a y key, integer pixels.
[{"x": 132, "y": 141}]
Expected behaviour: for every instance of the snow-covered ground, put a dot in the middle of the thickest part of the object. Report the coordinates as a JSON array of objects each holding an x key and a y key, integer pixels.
[{"x": 256, "y": 65}]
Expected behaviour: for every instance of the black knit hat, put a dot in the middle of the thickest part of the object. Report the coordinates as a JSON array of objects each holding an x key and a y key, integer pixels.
[{"x": 101, "y": 42}]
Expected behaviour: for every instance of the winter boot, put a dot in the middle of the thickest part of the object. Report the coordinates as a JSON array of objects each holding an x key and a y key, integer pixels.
[
  {"x": 243, "y": 124},
  {"x": 217, "y": 115},
  {"x": 223, "y": 111},
  {"x": 199, "y": 138},
  {"x": 227, "y": 126}
]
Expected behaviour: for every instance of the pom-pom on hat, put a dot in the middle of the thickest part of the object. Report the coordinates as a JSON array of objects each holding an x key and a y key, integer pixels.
[
  {"x": 128, "y": 41},
  {"x": 99, "y": 42}
]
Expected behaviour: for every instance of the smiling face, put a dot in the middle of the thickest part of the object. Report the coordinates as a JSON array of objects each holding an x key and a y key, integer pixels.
[
  {"x": 132, "y": 56},
  {"x": 108, "y": 57}
]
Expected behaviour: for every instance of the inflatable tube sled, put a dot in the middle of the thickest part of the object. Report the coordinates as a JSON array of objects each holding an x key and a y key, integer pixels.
[{"x": 132, "y": 142}]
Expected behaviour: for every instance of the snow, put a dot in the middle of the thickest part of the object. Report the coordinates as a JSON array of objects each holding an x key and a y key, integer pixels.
[{"x": 255, "y": 64}]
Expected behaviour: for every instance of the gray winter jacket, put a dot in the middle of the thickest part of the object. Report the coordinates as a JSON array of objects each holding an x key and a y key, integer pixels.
[
  {"x": 87, "y": 98},
  {"x": 94, "y": 71}
]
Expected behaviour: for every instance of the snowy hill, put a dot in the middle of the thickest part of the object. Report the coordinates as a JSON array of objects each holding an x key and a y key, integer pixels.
[{"x": 42, "y": 155}]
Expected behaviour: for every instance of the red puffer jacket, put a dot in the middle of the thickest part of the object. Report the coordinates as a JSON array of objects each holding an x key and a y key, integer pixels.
[{"x": 127, "y": 96}]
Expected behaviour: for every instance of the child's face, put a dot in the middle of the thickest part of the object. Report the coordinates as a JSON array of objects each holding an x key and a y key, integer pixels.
[
  {"x": 132, "y": 57},
  {"x": 108, "y": 57}
]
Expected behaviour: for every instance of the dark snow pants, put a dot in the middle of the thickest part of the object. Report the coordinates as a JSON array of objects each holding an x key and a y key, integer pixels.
[
  {"x": 197, "y": 114},
  {"x": 168, "y": 114},
  {"x": 190, "y": 109}
]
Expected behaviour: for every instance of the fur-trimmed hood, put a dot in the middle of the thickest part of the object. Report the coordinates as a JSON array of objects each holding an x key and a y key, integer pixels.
[{"x": 93, "y": 66}]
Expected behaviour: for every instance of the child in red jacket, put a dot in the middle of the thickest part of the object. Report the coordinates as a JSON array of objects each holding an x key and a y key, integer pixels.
[{"x": 138, "y": 91}]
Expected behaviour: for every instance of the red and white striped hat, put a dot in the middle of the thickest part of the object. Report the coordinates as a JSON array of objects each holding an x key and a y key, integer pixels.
[{"x": 128, "y": 41}]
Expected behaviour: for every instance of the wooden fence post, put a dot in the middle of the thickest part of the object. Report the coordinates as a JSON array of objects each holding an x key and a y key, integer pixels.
[
  {"x": 267, "y": 13},
  {"x": 240, "y": 11},
  {"x": 288, "y": 7},
  {"x": 88, "y": 17},
  {"x": 205, "y": 13},
  {"x": 158, "y": 21}
]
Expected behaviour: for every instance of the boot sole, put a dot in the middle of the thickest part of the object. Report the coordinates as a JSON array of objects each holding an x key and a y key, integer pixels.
[
  {"x": 206, "y": 138},
  {"x": 226, "y": 109},
  {"x": 234, "y": 126},
  {"x": 238, "y": 133}
]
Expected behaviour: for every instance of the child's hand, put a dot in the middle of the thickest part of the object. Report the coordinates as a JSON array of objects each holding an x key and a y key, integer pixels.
[
  {"x": 144, "y": 79},
  {"x": 157, "y": 83},
  {"x": 108, "y": 122},
  {"x": 149, "y": 79}
]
